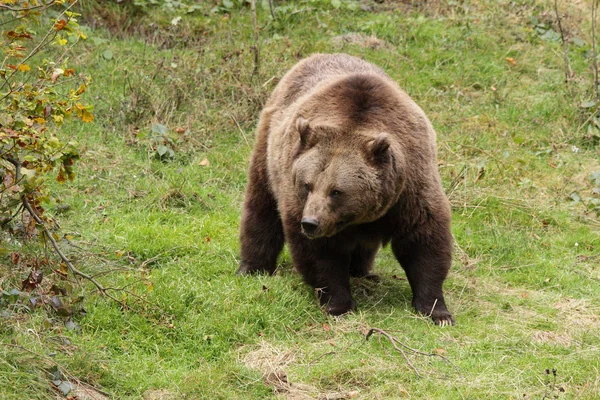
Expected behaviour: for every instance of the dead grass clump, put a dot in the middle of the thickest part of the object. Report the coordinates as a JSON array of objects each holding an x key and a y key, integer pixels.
[
  {"x": 577, "y": 313},
  {"x": 159, "y": 394},
  {"x": 549, "y": 337},
  {"x": 125, "y": 20},
  {"x": 273, "y": 363},
  {"x": 359, "y": 39}
]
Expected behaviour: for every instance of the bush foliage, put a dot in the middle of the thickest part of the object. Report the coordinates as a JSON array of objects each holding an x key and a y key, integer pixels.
[{"x": 38, "y": 93}]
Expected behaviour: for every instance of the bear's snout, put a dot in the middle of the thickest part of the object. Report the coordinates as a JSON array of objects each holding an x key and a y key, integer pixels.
[{"x": 309, "y": 226}]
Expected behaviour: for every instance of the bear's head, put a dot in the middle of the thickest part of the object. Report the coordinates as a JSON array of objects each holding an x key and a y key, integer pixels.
[{"x": 343, "y": 178}]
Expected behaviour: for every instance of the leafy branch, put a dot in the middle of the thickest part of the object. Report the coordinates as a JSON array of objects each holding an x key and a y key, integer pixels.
[{"x": 50, "y": 237}]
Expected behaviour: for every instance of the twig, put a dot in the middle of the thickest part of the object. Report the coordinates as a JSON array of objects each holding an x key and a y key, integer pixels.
[
  {"x": 9, "y": 8},
  {"x": 156, "y": 307},
  {"x": 5, "y": 221},
  {"x": 596, "y": 86},
  {"x": 240, "y": 129},
  {"x": 255, "y": 47},
  {"x": 568, "y": 73},
  {"x": 272, "y": 8},
  {"x": 432, "y": 308},
  {"x": 393, "y": 340},
  {"x": 329, "y": 353}
]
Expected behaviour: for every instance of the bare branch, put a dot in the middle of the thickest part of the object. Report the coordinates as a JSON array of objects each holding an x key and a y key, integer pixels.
[
  {"x": 596, "y": 86},
  {"x": 395, "y": 341},
  {"x": 272, "y": 8},
  {"x": 255, "y": 48},
  {"x": 568, "y": 72}
]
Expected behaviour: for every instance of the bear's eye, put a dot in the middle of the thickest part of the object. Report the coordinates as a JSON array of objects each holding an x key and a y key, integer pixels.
[
  {"x": 307, "y": 187},
  {"x": 335, "y": 193}
]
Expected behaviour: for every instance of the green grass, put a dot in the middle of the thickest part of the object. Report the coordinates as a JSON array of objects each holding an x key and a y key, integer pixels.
[{"x": 525, "y": 283}]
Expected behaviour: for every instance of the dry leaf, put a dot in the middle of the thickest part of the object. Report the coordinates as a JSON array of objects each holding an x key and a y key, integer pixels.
[
  {"x": 204, "y": 163},
  {"x": 440, "y": 352}
]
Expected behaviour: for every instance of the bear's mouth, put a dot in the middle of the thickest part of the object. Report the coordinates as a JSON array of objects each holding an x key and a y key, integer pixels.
[{"x": 341, "y": 224}]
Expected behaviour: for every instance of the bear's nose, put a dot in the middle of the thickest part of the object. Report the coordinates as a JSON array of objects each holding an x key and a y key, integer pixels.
[{"x": 309, "y": 225}]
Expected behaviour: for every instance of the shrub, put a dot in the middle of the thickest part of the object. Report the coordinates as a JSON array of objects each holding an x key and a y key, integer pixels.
[{"x": 38, "y": 92}]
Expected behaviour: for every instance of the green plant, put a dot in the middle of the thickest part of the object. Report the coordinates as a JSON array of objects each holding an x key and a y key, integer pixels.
[{"x": 38, "y": 92}]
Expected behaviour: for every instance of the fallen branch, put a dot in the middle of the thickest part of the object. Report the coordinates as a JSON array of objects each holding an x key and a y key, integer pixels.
[{"x": 395, "y": 342}]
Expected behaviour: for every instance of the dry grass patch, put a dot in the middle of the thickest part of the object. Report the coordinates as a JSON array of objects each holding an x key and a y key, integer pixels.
[
  {"x": 578, "y": 314},
  {"x": 549, "y": 337},
  {"x": 359, "y": 39},
  {"x": 272, "y": 362}
]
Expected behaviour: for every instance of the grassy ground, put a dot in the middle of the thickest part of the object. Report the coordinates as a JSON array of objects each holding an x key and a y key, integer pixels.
[{"x": 513, "y": 148}]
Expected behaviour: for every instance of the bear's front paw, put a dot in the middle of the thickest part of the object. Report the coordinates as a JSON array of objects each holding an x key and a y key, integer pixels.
[
  {"x": 437, "y": 311},
  {"x": 338, "y": 305},
  {"x": 247, "y": 268}
]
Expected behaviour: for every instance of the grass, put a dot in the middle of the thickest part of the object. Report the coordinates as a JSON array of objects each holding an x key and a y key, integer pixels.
[{"x": 525, "y": 283}]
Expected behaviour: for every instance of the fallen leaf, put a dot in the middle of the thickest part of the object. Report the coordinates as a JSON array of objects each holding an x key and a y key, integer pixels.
[
  {"x": 15, "y": 258},
  {"x": 57, "y": 72},
  {"x": 32, "y": 281},
  {"x": 204, "y": 163},
  {"x": 511, "y": 60}
]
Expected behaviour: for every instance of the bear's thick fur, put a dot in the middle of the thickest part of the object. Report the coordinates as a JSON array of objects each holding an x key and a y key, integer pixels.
[{"x": 344, "y": 163}]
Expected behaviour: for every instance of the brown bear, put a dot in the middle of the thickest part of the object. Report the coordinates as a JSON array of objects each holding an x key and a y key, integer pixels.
[{"x": 344, "y": 163}]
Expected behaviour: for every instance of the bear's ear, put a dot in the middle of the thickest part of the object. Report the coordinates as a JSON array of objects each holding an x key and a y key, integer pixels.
[
  {"x": 380, "y": 145},
  {"x": 303, "y": 129}
]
